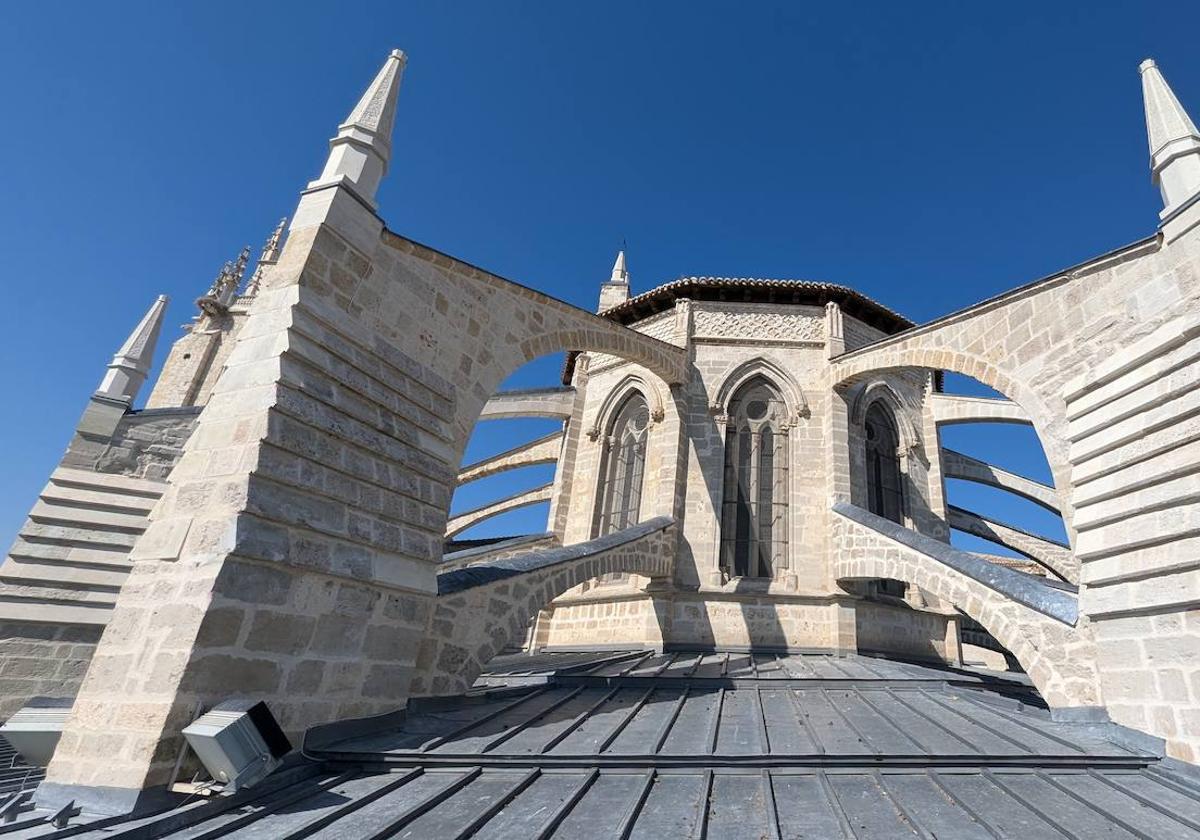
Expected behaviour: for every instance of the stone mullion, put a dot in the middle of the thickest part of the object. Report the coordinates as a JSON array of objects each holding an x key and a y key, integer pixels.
[
  {"x": 754, "y": 499},
  {"x": 781, "y": 500}
]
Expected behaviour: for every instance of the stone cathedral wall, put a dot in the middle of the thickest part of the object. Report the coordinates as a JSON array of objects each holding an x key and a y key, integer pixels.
[
  {"x": 146, "y": 444},
  {"x": 901, "y": 631},
  {"x": 1103, "y": 359},
  {"x": 800, "y": 608},
  {"x": 65, "y": 570}
]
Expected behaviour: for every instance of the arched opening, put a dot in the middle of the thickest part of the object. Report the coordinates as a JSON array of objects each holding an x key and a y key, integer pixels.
[
  {"x": 622, "y": 470},
  {"x": 883, "y": 439},
  {"x": 885, "y": 491},
  {"x": 754, "y": 509},
  {"x": 997, "y": 468},
  {"x": 1000, "y": 498},
  {"x": 491, "y": 440}
]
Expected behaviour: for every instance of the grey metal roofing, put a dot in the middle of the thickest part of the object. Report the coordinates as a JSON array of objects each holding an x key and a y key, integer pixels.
[{"x": 638, "y": 744}]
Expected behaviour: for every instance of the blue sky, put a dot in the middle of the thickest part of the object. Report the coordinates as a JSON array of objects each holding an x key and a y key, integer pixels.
[{"x": 929, "y": 155}]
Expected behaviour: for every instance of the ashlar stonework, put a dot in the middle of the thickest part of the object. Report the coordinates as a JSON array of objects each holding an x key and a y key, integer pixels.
[{"x": 743, "y": 463}]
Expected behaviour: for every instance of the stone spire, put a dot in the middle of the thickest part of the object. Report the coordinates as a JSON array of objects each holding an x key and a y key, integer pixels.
[
  {"x": 268, "y": 257},
  {"x": 359, "y": 154},
  {"x": 131, "y": 364},
  {"x": 620, "y": 274},
  {"x": 616, "y": 290},
  {"x": 1174, "y": 141}
]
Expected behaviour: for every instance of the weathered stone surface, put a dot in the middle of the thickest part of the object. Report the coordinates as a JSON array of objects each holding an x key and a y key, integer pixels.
[{"x": 294, "y": 552}]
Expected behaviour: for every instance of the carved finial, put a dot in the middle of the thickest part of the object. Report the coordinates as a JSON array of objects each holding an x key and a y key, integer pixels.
[
  {"x": 216, "y": 300},
  {"x": 274, "y": 244},
  {"x": 268, "y": 257}
]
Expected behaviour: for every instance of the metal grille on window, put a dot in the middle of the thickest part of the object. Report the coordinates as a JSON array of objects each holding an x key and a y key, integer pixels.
[
  {"x": 623, "y": 471},
  {"x": 754, "y": 536}
]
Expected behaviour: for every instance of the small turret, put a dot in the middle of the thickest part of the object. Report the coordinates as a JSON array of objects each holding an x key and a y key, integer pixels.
[
  {"x": 616, "y": 290},
  {"x": 1174, "y": 142}
]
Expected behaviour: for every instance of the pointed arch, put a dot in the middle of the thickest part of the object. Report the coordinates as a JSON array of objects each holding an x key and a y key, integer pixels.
[
  {"x": 633, "y": 383},
  {"x": 622, "y": 465},
  {"x": 755, "y": 499},
  {"x": 790, "y": 392},
  {"x": 902, "y": 412}
]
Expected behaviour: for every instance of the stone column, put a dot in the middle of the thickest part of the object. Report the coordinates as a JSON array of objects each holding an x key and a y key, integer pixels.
[
  {"x": 564, "y": 472},
  {"x": 835, "y": 331}
]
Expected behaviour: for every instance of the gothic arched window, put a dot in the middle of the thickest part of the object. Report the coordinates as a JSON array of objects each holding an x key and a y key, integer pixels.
[
  {"x": 885, "y": 495},
  {"x": 754, "y": 513},
  {"x": 619, "y": 499}
]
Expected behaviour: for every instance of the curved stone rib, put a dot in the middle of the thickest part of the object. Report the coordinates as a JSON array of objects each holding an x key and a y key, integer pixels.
[
  {"x": 955, "y": 408},
  {"x": 958, "y": 465},
  {"x": 544, "y": 450},
  {"x": 1034, "y": 621},
  {"x": 479, "y": 609},
  {"x": 484, "y": 573},
  {"x": 1053, "y": 556},
  {"x": 498, "y": 550},
  {"x": 525, "y": 498},
  {"x": 532, "y": 402},
  {"x": 1010, "y": 583}
]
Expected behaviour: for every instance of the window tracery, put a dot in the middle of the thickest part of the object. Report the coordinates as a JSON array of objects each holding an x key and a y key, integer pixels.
[{"x": 754, "y": 511}]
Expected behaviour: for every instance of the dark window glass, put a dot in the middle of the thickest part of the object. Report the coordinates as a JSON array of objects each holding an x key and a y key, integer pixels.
[
  {"x": 884, "y": 487},
  {"x": 622, "y": 472},
  {"x": 754, "y": 509}
]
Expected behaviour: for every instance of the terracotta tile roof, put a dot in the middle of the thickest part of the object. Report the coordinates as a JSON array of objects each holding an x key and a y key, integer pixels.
[{"x": 751, "y": 290}]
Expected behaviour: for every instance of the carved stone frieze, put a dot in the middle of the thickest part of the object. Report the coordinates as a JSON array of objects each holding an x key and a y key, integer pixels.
[{"x": 763, "y": 324}]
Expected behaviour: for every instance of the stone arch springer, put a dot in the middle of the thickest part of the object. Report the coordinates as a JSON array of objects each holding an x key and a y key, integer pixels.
[{"x": 791, "y": 393}]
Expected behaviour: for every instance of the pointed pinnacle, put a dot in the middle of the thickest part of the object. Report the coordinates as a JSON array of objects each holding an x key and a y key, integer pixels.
[
  {"x": 359, "y": 154},
  {"x": 268, "y": 257},
  {"x": 131, "y": 364},
  {"x": 619, "y": 273},
  {"x": 270, "y": 251},
  {"x": 1166, "y": 120},
  {"x": 1174, "y": 142}
]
